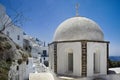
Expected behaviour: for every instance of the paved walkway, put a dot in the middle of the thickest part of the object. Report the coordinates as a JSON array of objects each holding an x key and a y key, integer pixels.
[
  {"x": 115, "y": 70},
  {"x": 42, "y": 73},
  {"x": 39, "y": 67},
  {"x": 41, "y": 76}
]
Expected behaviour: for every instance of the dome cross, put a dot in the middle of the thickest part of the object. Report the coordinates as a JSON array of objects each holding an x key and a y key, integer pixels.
[{"x": 77, "y": 9}]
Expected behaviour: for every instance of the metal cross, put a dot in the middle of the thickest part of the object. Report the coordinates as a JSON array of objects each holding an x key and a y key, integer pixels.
[{"x": 77, "y": 9}]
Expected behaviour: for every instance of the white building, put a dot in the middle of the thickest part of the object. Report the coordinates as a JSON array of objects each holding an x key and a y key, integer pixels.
[
  {"x": 44, "y": 51},
  {"x": 29, "y": 68},
  {"x": 14, "y": 32},
  {"x": 79, "y": 49},
  {"x": 36, "y": 50},
  {"x": 31, "y": 46},
  {"x": 17, "y": 72}
]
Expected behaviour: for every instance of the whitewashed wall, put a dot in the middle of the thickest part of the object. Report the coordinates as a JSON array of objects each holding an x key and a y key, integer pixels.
[
  {"x": 101, "y": 49},
  {"x": 29, "y": 68},
  {"x": 51, "y": 57},
  {"x": 22, "y": 71},
  {"x": 44, "y": 48},
  {"x": 14, "y": 31},
  {"x": 35, "y": 50},
  {"x": 62, "y": 58}
]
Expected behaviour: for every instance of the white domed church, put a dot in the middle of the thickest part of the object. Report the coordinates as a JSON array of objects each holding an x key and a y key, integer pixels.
[{"x": 79, "y": 49}]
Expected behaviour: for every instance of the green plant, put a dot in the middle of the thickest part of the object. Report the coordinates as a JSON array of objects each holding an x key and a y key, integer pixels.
[
  {"x": 113, "y": 64},
  {"x": 4, "y": 68},
  {"x": 25, "y": 57},
  {"x": 3, "y": 77},
  {"x": 20, "y": 61},
  {"x": 3, "y": 38},
  {"x": 7, "y": 45},
  {"x": 17, "y": 46}
]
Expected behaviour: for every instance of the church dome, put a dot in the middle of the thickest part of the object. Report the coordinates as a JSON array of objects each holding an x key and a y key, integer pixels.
[{"x": 78, "y": 28}]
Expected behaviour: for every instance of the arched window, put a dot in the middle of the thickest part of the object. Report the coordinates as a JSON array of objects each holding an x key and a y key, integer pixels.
[
  {"x": 96, "y": 64},
  {"x": 70, "y": 60}
]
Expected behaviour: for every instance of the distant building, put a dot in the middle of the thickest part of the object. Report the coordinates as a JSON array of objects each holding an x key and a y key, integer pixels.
[
  {"x": 29, "y": 68},
  {"x": 18, "y": 71},
  {"x": 15, "y": 33},
  {"x": 44, "y": 51},
  {"x": 11, "y": 30},
  {"x": 35, "y": 49}
]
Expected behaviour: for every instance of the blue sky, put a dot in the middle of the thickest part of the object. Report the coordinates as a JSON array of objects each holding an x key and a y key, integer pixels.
[{"x": 45, "y": 16}]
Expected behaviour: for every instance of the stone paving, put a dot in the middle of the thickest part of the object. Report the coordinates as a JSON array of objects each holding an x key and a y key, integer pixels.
[
  {"x": 43, "y": 73},
  {"x": 41, "y": 76}
]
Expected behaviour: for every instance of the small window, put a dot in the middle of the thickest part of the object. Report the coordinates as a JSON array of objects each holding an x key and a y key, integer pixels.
[
  {"x": 18, "y": 37},
  {"x": 26, "y": 48},
  {"x": 8, "y": 34},
  {"x": 27, "y": 62},
  {"x": 39, "y": 53},
  {"x": 44, "y": 58},
  {"x": 44, "y": 53},
  {"x": 17, "y": 68},
  {"x": 40, "y": 60}
]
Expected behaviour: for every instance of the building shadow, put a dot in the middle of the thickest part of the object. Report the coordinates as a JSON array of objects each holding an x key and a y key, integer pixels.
[{"x": 111, "y": 72}]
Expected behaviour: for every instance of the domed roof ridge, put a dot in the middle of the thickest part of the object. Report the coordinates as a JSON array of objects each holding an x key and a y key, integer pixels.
[{"x": 78, "y": 28}]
